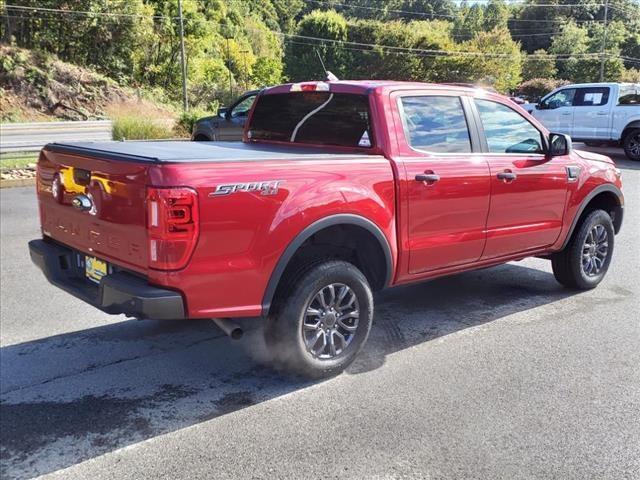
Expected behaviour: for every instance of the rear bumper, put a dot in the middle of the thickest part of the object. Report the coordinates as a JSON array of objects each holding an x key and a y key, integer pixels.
[{"x": 119, "y": 292}]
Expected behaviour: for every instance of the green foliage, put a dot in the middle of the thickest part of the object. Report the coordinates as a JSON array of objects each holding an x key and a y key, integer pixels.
[
  {"x": 536, "y": 88},
  {"x": 133, "y": 127},
  {"x": 328, "y": 25},
  {"x": 580, "y": 47},
  {"x": 11, "y": 161},
  {"x": 496, "y": 15},
  {"x": 469, "y": 22},
  {"x": 234, "y": 45},
  {"x": 631, "y": 75},
  {"x": 186, "y": 120},
  {"x": 539, "y": 65},
  {"x": 502, "y": 70}
]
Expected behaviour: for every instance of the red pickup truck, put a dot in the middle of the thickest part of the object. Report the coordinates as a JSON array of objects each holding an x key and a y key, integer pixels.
[{"x": 339, "y": 189}]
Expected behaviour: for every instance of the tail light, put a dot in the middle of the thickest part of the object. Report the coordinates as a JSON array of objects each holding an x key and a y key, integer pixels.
[{"x": 172, "y": 223}]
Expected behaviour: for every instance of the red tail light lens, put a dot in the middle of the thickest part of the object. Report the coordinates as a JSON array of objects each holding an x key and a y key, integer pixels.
[{"x": 172, "y": 223}]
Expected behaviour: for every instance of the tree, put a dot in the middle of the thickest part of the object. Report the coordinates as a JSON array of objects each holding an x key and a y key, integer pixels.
[
  {"x": 496, "y": 15},
  {"x": 536, "y": 88},
  {"x": 631, "y": 49},
  {"x": 539, "y": 65},
  {"x": 580, "y": 61},
  {"x": 303, "y": 61},
  {"x": 493, "y": 59},
  {"x": 469, "y": 22}
]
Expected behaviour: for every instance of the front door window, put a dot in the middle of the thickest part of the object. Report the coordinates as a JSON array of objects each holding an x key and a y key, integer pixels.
[{"x": 507, "y": 131}]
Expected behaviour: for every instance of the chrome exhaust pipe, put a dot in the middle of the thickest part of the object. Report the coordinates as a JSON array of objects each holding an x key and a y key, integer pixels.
[{"x": 229, "y": 327}]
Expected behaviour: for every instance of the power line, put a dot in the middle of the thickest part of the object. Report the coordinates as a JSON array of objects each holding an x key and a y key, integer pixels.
[
  {"x": 86, "y": 13},
  {"x": 409, "y": 49},
  {"x": 512, "y": 32},
  {"x": 558, "y": 57},
  {"x": 431, "y": 15},
  {"x": 360, "y": 44}
]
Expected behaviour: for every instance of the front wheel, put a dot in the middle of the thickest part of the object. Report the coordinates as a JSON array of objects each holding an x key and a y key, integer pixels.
[
  {"x": 323, "y": 322},
  {"x": 631, "y": 144},
  {"x": 585, "y": 260}
]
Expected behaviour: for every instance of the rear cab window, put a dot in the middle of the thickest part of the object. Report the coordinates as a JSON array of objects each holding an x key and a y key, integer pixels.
[{"x": 312, "y": 118}]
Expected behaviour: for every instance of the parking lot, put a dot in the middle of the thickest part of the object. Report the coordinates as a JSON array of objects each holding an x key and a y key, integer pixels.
[{"x": 498, "y": 373}]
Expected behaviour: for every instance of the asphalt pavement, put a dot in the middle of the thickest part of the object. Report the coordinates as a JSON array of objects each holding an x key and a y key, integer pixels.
[{"x": 499, "y": 373}]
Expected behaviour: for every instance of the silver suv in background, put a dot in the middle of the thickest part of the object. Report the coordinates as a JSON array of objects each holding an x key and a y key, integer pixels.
[{"x": 227, "y": 124}]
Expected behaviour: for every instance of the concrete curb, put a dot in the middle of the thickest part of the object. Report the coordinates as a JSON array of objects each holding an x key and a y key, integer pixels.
[{"x": 17, "y": 182}]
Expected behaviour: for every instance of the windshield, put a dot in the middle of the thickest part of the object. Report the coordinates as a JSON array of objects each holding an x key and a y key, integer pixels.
[{"x": 320, "y": 118}]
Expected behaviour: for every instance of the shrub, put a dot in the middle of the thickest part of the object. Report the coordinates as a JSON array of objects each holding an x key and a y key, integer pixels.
[
  {"x": 536, "y": 88},
  {"x": 128, "y": 127},
  {"x": 186, "y": 120}
]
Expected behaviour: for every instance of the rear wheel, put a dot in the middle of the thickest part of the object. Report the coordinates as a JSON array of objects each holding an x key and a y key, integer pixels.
[
  {"x": 631, "y": 144},
  {"x": 585, "y": 260},
  {"x": 323, "y": 322}
]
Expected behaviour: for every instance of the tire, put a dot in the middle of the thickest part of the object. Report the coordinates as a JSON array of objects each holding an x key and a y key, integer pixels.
[
  {"x": 573, "y": 270},
  {"x": 291, "y": 344},
  {"x": 631, "y": 144}
]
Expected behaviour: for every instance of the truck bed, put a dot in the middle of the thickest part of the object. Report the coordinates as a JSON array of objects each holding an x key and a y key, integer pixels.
[{"x": 188, "y": 152}]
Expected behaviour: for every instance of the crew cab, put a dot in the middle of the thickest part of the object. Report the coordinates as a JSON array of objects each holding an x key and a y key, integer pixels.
[
  {"x": 594, "y": 113},
  {"x": 339, "y": 189}
]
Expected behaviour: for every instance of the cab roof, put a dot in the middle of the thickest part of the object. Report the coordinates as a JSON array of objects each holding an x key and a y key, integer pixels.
[{"x": 368, "y": 86}]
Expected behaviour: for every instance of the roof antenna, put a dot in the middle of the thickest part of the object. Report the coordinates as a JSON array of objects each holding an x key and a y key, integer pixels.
[{"x": 330, "y": 76}]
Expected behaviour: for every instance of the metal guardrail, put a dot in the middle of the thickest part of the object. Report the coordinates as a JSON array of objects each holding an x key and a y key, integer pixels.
[{"x": 31, "y": 137}]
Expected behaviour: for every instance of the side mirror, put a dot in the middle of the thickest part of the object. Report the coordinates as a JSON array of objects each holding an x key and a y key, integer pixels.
[
  {"x": 559, "y": 144},
  {"x": 222, "y": 112}
]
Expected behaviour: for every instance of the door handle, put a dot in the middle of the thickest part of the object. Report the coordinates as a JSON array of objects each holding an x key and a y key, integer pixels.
[
  {"x": 565, "y": 113},
  {"x": 603, "y": 113},
  {"x": 507, "y": 176},
  {"x": 427, "y": 177}
]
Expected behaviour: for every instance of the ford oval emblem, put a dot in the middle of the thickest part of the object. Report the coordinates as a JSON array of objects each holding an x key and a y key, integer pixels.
[{"x": 83, "y": 203}]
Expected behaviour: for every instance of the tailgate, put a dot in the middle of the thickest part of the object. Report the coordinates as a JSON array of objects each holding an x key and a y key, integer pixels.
[{"x": 95, "y": 205}]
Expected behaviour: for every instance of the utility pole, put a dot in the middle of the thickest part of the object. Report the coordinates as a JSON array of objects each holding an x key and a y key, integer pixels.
[
  {"x": 246, "y": 69},
  {"x": 604, "y": 40},
  {"x": 229, "y": 69},
  {"x": 185, "y": 103}
]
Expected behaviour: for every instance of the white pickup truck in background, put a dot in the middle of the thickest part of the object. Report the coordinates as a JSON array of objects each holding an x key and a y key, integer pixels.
[{"x": 594, "y": 113}]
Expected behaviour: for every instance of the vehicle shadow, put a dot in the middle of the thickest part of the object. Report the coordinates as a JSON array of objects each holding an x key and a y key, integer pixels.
[{"x": 69, "y": 398}]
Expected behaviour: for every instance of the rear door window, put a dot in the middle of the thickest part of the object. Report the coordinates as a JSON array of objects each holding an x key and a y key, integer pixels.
[
  {"x": 629, "y": 95},
  {"x": 319, "y": 118},
  {"x": 435, "y": 124},
  {"x": 591, "y": 97},
  {"x": 506, "y": 130}
]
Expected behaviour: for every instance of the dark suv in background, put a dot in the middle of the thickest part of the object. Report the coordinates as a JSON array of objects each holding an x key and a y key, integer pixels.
[{"x": 228, "y": 124}]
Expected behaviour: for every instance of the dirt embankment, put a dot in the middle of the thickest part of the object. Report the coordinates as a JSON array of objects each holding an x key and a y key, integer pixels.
[{"x": 37, "y": 86}]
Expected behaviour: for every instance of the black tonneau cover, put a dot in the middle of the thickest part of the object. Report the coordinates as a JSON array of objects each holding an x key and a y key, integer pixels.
[{"x": 185, "y": 151}]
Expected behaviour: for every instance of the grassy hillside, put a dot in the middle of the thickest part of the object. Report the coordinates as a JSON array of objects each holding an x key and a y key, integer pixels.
[{"x": 39, "y": 87}]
